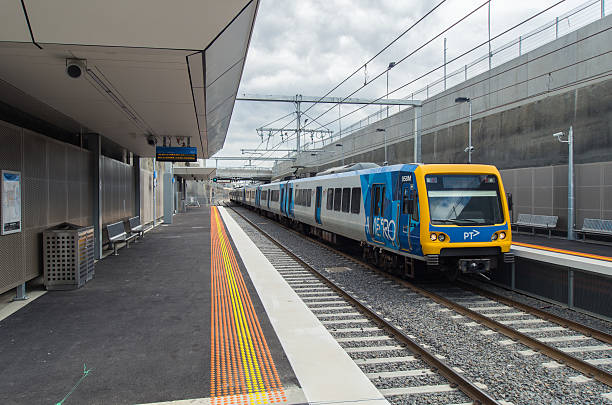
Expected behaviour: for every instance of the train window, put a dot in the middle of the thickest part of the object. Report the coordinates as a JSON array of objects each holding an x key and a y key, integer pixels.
[
  {"x": 330, "y": 199},
  {"x": 346, "y": 199},
  {"x": 337, "y": 199},
  {"x": 356, "y": 200},
  {"x": 308, "y": 197},
  {"x": 273, "y": 195}
]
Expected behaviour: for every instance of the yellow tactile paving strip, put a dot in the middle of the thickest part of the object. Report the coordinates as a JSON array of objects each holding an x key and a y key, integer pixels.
[{"x": 242, "y": 368}]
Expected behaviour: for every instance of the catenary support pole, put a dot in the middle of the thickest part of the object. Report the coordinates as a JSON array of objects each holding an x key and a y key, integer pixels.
[{"x": 570, "y": 183}]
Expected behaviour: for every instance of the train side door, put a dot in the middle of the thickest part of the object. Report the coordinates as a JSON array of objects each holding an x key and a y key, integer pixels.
[
  {"x": 410, "y": 231},
  {"x": 290, "y": 200},
  {"x": 318, "y": 197},
  {"x": 282, "y": 198},
  {"x": 377, "y": 213}
]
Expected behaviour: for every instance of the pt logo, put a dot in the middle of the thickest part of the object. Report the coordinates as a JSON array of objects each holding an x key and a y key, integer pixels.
[{"x": 470, "y": 235}]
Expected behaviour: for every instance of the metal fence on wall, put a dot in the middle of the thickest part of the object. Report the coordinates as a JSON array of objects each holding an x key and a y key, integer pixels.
[
  {"x": 117, "y": 190},
  {"x": 543, "y": 190}
]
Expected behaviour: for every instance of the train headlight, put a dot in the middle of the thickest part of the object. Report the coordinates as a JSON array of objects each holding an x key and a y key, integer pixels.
[
  {"x": 502, "y": 235},
  {"x": 441, "y": 237},
  {"x": 494, "y": 236},
  {"x": 433, "y": 237}
]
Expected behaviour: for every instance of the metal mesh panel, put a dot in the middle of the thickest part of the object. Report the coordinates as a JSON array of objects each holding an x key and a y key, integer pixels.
[
  {"x": 593, "y": 293},
  {"x": 11, "y": 253},
  {"x": 32, "y": 247},
  {"x": 56, "y": 154},
  {"x": 34, "y": 156},
  {"x": 548, "y": 281},
  {"x": 57, "y": 201},
  {"x": 35, "y": 194}
]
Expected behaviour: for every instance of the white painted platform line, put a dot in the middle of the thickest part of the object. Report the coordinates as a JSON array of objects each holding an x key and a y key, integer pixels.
[
  {"x": 325, "y": 371},
  {"x": 9, "y": 308},
  {"x": 294, "y": 396}
]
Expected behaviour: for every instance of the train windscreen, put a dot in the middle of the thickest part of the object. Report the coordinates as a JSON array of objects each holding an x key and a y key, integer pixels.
[{"x": 463, "y": 199}]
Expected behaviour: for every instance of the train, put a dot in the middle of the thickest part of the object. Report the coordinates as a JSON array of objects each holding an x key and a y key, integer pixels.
[{"x": 409, "y": 219}]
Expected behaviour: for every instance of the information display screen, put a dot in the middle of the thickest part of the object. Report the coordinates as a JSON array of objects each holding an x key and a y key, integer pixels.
[{"x": 176, "y": 154}]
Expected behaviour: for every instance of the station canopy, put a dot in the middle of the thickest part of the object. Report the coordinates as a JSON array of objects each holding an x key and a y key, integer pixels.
[{"x": 151, "y": 67}]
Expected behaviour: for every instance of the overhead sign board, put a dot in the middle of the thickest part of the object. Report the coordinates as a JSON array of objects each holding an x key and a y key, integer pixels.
[
  {"x": 10, "y": 188},
  {"x": 176, "y": 154}
]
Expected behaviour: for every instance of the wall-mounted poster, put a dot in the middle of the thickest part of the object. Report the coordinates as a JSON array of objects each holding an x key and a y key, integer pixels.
[{"x": 10, "y": 187}]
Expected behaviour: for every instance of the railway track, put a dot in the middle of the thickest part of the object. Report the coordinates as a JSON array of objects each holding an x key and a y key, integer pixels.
[
  {"x": 386, "y": 354},
  {"x": 565, "y": 342}
]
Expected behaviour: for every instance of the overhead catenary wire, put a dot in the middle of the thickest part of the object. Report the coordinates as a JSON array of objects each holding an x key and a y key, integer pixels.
[
  {"x": 440, "y": 66},
  {"x": 364, "y": 65},
  {"x": 407, "y": 56}
]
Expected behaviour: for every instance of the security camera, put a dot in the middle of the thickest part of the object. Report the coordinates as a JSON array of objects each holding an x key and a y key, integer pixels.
[
  {"x": 75, "y": 67},
  {"x": 558, "y": 135},
  {"x": 151, "y": 140}
]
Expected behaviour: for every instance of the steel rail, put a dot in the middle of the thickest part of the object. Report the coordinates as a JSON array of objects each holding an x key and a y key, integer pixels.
[
  {"x": 456, "y": 379},
  {"x": 566, "y": 323},
  {"x": 577, "y": 364}
]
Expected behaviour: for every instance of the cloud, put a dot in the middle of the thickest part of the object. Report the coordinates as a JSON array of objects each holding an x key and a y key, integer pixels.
[{"x": 308, "y": 46}]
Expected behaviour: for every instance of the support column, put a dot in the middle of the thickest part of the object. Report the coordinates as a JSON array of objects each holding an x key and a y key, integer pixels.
[
  {"x": 168, "y": 206},
  {"x": 417, "y": 134},
  {"x": 94, "y": 143},
  {"x": 136, "y": 174}
]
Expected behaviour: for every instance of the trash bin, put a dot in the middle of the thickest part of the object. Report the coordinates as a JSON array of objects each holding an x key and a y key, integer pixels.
[{"x": 68, "y": 256}]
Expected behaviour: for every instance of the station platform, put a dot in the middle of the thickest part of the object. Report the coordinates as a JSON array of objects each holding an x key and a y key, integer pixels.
[
  {"x": 192, "y": 314},
  {"x": 571, "y": 247},
  {"x": 589, "y": 257}
]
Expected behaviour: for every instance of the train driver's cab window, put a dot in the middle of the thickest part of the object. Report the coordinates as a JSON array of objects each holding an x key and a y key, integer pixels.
[
  {"x": 330, "y": 199},
  {"x": 337, "y": 199}
]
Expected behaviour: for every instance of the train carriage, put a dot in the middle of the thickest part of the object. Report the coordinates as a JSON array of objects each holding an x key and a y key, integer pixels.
[{"x": 449, "y": 217}]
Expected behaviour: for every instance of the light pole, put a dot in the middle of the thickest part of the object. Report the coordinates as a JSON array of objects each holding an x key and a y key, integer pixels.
[
  {"x": 391, "y": 64},
  {"x": 386, "y": 162},
  {"x": 470, "y": 148},
  {"x": 341, "y": 146},
  {"x": 570, "y": 180}
]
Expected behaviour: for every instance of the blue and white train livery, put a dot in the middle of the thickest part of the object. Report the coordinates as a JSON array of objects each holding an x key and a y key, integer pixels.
[{"x": 454, "y": 218}]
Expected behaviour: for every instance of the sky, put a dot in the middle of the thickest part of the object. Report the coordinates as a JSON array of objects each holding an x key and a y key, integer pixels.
[{"x": 309, "y": 46}]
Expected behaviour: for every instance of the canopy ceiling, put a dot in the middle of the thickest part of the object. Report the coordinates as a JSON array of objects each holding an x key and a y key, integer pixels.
[{"x": 153, "y": 67}]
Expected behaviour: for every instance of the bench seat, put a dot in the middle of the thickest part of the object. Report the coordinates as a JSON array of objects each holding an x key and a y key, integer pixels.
[{"x": 548, "y": 222}]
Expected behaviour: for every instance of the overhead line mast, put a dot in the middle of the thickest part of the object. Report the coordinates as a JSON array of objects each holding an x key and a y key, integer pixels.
[{"x": 298, "y": 99}]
